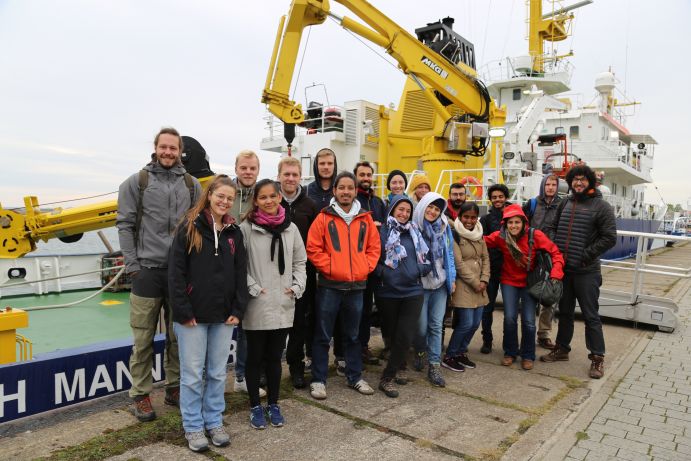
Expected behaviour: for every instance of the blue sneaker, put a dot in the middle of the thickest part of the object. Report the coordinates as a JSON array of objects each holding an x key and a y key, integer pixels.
[
  {"x": 274, "y": 413},
  {"x": 257, "y": 419}
]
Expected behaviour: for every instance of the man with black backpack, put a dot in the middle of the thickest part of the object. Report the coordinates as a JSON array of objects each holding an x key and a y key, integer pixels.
[
  {"x": 541, "y": 212},
  {"x": 150, "y": 204}
]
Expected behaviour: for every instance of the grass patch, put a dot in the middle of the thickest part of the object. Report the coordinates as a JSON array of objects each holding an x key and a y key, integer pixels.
[
  {"x": 582, "y": 436},
  {"x": 526, "y": 424}
]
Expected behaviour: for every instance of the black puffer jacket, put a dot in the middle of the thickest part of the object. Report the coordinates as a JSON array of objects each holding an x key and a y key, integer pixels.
[
  {"x": 491, "y": 222},
  {"x": 302, "y": 212},
  {"x": 211, "y": 285},
  {"x": 584, "y": 229}
]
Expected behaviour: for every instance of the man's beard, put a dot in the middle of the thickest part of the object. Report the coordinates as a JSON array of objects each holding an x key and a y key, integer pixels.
[{"x": 457, "y": 203}]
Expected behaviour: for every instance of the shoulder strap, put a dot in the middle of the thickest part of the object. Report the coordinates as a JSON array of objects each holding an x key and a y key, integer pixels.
[
  {"x": 533, "y": 205},
  {"x": 189, "y": 182},
  {"x": 531, "y": 237},
  {"x": 143, "y": 183}
]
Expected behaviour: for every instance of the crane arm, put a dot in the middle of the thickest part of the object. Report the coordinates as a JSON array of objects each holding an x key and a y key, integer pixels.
[{"x": 431, "y": 71}]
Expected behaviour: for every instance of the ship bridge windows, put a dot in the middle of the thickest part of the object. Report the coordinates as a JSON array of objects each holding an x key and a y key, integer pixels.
[
  {"x": 573, "y": 132},
  {"x": 517, "y": 94},
  {"x": 559, "y": 130}
]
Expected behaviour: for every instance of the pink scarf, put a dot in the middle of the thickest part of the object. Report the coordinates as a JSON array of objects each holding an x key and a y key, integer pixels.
[{"x": 265, "y": 219}]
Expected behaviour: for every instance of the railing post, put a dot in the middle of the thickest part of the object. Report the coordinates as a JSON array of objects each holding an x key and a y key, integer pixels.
[{"x": 638, "y": 275}]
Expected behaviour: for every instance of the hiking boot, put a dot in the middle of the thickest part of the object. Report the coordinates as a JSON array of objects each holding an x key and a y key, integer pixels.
[
  {"x": 507, "y": 361},
  {"x": 143, "y": 409},
  {"x": 368, "y": 358},
  {"x": 452, "y": 364},
  {"x": 402, "y": 377},
  {"x": 527, "y": 364},
  {"x": 465, "y": 361},
  {"x": 546, "y": 343},
  {"x": 240, "y": 385},
  {"x": 318, "y": 391},
  {"x": 273, "y": 411},
  {"x": 219, "y": 436},
  {"x": 434, "y": 375},
  {"x": 257, "y": 419},
  {"x": 196, "y": 441},
  {"x": 298, "y": 381},
  {"x": 172, "y": 396},
  {"x": 486, "y": 347},
  {"x": 387, "y": 386},
  {"x": 362, "y": 387},
  {"x": 597, "y": 366},
  {"x": 419, "y": 361},
  {"x": 558, "y": 354},
  {"x": 340, "y": 365}
]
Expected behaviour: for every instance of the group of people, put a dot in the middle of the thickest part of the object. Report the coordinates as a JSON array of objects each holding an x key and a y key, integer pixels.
[{"x": 296, "y": 268}]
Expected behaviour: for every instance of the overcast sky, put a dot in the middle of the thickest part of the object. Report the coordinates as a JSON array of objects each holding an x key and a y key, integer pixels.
[{"x": 85, "y": 85}]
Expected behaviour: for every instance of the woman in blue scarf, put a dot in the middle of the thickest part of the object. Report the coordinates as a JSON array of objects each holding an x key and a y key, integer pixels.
[
  {"x": 438, "y": 284},
  {"x": 404, "y": 261}
]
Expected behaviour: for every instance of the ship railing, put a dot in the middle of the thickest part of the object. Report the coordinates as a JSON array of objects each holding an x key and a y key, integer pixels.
[
  {"x": 25, "y": 348},
  {"x": 523, "y": 183},
  {"x": 640, "y": 267},
  {"x": 593, "y": 151},
  {"x": 318, "y": 119},
  {"x": 521, "y": 66},
  {"x": 41, "y": 281}
]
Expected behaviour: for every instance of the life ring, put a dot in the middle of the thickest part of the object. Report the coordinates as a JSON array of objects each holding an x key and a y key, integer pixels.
[{"x": 472, "y": 181}]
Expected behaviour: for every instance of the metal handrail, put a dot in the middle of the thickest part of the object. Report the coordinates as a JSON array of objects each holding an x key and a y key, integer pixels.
[{"x": 26, "y": 347}]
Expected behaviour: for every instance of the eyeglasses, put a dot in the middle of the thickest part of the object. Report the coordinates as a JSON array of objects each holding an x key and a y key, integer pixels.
[
  {"x": 224, "y": 198},
  {"x": 582, "y": 180}
]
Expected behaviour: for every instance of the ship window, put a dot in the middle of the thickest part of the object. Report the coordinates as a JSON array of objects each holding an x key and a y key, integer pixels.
[
  {"x": 573, "y": 132},
  {"x": 559, "y": 130},
  {"x": 614, "y": 189},
  {"x": 623, "y": 191},
  {"x": 516, "y": 94}
]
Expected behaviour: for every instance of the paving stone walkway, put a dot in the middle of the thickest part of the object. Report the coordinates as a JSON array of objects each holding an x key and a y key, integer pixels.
[{"x": 648, "y": 416}]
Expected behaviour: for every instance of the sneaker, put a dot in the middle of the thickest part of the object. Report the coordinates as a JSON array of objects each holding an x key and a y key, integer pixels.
[
  {"x": 273, "y": 411},
  {"x": 465, "y": 361},
  {"x": 196, "y": 441},
  {"x": 419, "y": 361},
  {"x": 257, "y": 419},
  {"x": 452, "y": 364},
  {"x": 362, "y": 387},
  {"x": 340, "y": 367},
  {"x": 387, "y": 386},
  {"x": 240, "y": 385},
  {"x": 557, "y": 354},
  {"x": 597, "y": 366},
  {"x": 486, "y": 347},
  {"x": 434, "y": 375},
  {"x": 219, "y": 436},
  {"x": 546, "y": 343},
  {"x": 172, "y": 396},
  {"x": 318, "y": 391},
  {"x": 368, "y": 358},
  {"x": 143, "y": 409}
]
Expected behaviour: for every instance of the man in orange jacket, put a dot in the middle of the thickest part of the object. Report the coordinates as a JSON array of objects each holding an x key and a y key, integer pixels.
[{"x": 343, "y": 244}]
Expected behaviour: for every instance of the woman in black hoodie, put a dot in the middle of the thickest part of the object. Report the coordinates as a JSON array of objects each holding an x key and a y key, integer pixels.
[{"x": 207, "y": 279}]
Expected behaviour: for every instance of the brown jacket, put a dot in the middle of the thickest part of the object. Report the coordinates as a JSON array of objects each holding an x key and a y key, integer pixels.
[{"x": 472, "y": 267}]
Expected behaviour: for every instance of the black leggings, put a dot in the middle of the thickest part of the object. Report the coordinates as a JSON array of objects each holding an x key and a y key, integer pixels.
[
  {"x": 401, "y": 317},
  {"x": 264, "y": 347}
]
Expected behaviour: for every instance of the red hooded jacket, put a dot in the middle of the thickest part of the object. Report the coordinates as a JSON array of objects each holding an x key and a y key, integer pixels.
[{"x": 511, "y": 273}]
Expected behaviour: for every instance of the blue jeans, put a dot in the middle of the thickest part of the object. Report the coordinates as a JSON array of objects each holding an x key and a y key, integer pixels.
[
  {"x": 329, "y": 303},
  {"x": 468, "y": 323},
  {"x": 511, "y": 296},
  {"x": 431, "y": 323},
  {"x": 205, "y": 346},
  {"x": 240, "y": 354}
]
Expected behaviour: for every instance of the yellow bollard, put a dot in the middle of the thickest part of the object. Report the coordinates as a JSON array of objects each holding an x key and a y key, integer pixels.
[{"x": 10, "y": 320}]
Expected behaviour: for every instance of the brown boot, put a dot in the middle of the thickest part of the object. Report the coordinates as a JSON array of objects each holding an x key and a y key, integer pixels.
[
  {"x": 558, "y": 354},
  {"x": 597, "y": 366},
  {"x": 546, "y": 343}
]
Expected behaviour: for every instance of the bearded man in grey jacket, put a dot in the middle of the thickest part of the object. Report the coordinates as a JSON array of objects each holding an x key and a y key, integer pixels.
[{"x": 150, "y": 205}]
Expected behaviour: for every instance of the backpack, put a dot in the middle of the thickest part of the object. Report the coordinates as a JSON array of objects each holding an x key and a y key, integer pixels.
[
  {"x": 532, "y": 206},
  {"x": 143, "y": 183},
  {"x": 540, "y": 286}
]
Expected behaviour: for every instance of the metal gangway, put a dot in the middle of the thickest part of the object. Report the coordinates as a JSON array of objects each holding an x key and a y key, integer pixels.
[{"x": 635, "y": 305}]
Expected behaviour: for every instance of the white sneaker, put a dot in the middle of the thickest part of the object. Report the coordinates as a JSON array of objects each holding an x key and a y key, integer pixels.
[
  {"x": 241, "y": 386},
  {"x": 318, "y": 391},
  {"x": 362, "y": 387}
]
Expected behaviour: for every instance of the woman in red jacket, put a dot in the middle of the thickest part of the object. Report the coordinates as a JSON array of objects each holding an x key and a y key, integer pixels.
[{"x": 512, "y": 240}]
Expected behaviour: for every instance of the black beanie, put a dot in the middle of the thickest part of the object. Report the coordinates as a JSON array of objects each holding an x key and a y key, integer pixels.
[{"x": 396, "y": 173}]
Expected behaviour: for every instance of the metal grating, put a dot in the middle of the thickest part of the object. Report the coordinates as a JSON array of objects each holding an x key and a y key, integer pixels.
[
  {"x": 372, "y": 114},
  {"x": 418, "y": 113},
  {"x": 351, "y": 124}
]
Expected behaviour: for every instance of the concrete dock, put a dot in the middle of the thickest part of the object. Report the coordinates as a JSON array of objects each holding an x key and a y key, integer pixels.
[{"x": 639, "y": 410}]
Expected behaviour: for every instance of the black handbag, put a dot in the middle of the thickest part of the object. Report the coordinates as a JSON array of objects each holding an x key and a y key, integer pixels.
[{"x": 541, "y": 287}]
